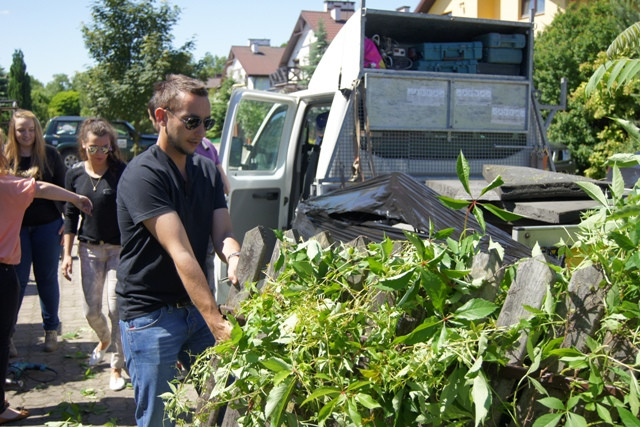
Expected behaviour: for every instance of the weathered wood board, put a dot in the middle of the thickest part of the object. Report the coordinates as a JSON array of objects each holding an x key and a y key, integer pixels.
[{"x": 523, "y": 183}]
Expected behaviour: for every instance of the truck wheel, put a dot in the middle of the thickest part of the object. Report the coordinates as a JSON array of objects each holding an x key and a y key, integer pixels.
[{"x": 70, "y": 158}]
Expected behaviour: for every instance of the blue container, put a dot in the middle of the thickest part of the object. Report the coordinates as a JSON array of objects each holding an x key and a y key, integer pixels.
[
  {"x": 468, "y": 66},
  {"x": 514, "y": 41},
  {"x": 499, "y": 55},
  {"x": 449, "y": 51}
]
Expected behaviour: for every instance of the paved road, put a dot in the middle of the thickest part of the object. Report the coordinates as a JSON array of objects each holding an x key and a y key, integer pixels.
[{"x": 84, "y": 394}]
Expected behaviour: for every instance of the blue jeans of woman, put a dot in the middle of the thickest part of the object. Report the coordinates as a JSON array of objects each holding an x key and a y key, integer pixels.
[
  {"x": 40, "y": 246},
  {"x": 10, "y": 289},
  {"x": 98, "y": 264},
  {"x": 152, "y": 345}
]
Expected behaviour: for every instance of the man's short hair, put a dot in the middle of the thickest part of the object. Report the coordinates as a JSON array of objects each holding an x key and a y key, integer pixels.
[{"x": 166, "y": 92}]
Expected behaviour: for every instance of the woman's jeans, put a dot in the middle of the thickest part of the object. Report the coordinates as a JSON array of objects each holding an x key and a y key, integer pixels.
[
  {"x": 98, "y": 264},
  {"x": 152, "y": 344},
  {"x": 10, "y": 289},
  {"x": 40, "y": 245}
]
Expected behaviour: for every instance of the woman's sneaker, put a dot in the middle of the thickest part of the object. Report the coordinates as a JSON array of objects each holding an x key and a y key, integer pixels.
[{"x": 50, "y": 341}]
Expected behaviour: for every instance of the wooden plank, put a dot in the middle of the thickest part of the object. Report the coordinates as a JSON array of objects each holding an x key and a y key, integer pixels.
[
  {"x": 453, "y": 188},
  {"x": 255, "y": 247},
  {"x": 533, "y": 276},
  {"x": 290, "y": 235},
  {"x": 487, "y": 267},
  {"x": 553, "y": 212},
  {"x": 585, "y": 303},
  {"x": 523, "y": 183}
]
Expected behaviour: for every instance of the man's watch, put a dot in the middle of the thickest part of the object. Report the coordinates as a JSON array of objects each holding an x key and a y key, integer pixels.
[{"x": 232, "y": 255}]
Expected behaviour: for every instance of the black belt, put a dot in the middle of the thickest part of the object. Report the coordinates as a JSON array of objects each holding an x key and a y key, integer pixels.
[{"x": 182, "y": 303}]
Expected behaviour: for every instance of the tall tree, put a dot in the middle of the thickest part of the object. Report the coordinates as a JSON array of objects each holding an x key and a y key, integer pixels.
[
  {"x": 130, "y": 42},
  {"x": 4, "y": 83},
  {"x": 316, "y": 50},
  {"x": 19, "y": 87},
  {"x": 210, "y": 66}
]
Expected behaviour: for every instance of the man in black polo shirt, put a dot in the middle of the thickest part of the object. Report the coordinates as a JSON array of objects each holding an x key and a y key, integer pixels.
[{"x": 170, "y": 203}]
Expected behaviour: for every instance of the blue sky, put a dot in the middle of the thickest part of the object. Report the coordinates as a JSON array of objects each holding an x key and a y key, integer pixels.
[{"x": 48, "y": 31}]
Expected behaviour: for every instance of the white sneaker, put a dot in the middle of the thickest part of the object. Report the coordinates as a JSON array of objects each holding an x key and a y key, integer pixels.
[
  {"x": 97, "y": 356},
  {"x": 116, "y": 383}
]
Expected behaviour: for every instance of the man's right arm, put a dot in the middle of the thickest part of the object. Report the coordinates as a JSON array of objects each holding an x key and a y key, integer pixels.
[{"x": 170, "y": 233}]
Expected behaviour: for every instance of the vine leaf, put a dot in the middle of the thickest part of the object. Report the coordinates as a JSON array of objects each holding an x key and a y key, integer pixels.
[{"x": 277, "y": 400}]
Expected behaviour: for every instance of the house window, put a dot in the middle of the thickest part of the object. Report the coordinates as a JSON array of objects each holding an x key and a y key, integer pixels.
[{"x": 526, "y": 5}]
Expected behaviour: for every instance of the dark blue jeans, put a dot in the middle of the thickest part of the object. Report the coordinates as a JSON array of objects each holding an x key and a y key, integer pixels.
[
  {"x": 152, "y": 345},
  {"x": 40, "y": 245},
  {"x": 10, "y": 289}
]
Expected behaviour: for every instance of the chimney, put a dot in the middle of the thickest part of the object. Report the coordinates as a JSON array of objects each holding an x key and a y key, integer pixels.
[
  {"x": 403, "y": 9},
  {"x": 335, "y": 14},
  {"x": 348, "y": 6},
  {"x": 254, "y": 44}
]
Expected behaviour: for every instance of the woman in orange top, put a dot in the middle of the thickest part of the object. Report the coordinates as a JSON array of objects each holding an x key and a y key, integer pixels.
[{"x": 16, "y": 194}]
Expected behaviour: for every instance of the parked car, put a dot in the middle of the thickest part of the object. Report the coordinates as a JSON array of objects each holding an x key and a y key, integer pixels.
[
  {"x": 61, "y": 132},
  {"x": 561, "y": 157}
]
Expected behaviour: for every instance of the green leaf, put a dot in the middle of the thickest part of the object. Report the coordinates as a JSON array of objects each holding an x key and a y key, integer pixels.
[
  {"x": 462, "y": 169},
  {"x": 475, "y": 309},
  {"x": 604, "y": 413},
  {"x": 352, "y": 409},
  {"x": 481, "y": 398},
  {"x": 276, "y": 364},
  {"x": 575, "y": 420},
  {"x": 396, "y": 283},
  {"x": 623, "y": 160},
  {"x": 421, "y": 333},
  {"x": 417, "y": 242},
  {"x": 322, "y": 391},
  {"x": 367, "y": 401},
  {"x": 617, "y": 184},
  {"x": 594, "y": 192},
  {"x": 453, "y": 203},
  {"x": 277, "y": 400},
  {"x": 327, "y": 409},
  {"x": 634, "y": 406},
  {"x": 497, "y": 182},
  {"x": 627, "y": 418},
  {"x": 435, "y": 287},
  {"x": 623, "y": 241},
  {"x": 629, "y": 127},
  {"x": 548, "y": 420},
  {"x": 501, "y": 213},
  {"x": 477, "y": 212},
  {"x": 552, "y": 403}
]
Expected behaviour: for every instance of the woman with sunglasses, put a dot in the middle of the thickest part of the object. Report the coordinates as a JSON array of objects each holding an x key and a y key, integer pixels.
[
  {"x": 97, "y": 178},
  {"x": 30, "y": 157}
]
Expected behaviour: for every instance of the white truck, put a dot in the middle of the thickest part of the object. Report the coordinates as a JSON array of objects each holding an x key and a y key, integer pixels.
[{"x": 414, "y": 116}]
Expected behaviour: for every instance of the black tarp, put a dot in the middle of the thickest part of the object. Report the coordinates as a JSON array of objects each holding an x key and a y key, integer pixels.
[{"x": 374, "y": 207}]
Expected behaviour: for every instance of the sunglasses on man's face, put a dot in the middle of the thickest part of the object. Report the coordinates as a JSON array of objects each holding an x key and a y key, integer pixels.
[
  {"x": 192, "y": 122},
  {"x": 93, "y": 149}
]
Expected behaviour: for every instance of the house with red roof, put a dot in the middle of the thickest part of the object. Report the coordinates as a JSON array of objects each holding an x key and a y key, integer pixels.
[
  {"x": 289, "y": 75},
  {"x": 252, "y": 65}
]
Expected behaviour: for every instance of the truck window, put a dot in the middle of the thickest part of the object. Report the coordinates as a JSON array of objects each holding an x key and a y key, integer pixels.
[{"x": 259, "y": 125}]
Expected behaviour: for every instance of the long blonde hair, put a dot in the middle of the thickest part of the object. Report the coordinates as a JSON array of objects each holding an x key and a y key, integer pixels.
[{"x": 38, "y": 155}]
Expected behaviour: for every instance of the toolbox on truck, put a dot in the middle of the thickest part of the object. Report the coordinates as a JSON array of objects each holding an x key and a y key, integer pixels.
[
  {"x": 449, "y": 51},
  {"x": 468, "y": 66},
  {"x": 514, "y": 41},
  {"x": 499, "y": 69},
  {"x": 500, "y": 55}
]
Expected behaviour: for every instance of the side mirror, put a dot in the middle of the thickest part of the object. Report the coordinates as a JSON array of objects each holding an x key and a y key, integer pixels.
[{"x": 235, "y": 154}]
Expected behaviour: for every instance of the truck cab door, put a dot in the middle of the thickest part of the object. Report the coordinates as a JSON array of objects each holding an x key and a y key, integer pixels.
[{"x": 254, "y": 146}]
